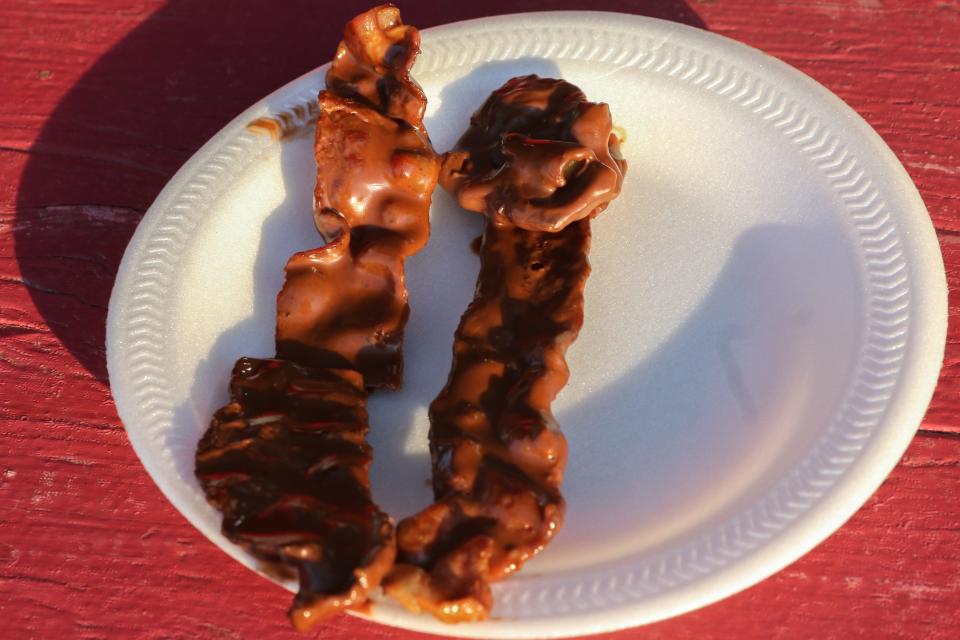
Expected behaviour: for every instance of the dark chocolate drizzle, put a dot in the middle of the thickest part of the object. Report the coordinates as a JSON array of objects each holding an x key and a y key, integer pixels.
[
  {"x": 287, "y": 461},
  {"x": 539, "y": 161}
]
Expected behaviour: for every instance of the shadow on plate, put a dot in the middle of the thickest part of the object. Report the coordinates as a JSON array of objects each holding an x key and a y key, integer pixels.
[{"x": 707, "y": 422}]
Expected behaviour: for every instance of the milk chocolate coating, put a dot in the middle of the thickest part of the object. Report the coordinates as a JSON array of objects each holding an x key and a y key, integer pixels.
[
  {"x": 286, "y": 462},
  {"x": 498, "y": 455},
  {"x": 345, "y": 304}
]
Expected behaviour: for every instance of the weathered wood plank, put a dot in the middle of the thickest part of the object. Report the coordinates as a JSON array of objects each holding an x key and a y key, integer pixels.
[{"x": 104, "y": 99}]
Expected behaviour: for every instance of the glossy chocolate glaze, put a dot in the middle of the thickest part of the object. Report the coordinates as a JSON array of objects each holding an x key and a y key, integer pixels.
[
  {"x": 498, "y": 455},
  {"x": 538, "y": 154},
  {"x": 345, "y": 304},
  {"x": 286, "y": 462},
  {"x": 373, "y": 65}
]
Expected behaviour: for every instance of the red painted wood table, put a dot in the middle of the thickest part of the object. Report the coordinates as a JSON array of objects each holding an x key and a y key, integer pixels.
[{"x": 102, "y": 100}]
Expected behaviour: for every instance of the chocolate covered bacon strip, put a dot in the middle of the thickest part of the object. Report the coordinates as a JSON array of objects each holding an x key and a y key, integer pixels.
[
  {"x": 538, "y": 161},
  {"x": 345, "y": 305},
  {"x": 286, "y": 461}
]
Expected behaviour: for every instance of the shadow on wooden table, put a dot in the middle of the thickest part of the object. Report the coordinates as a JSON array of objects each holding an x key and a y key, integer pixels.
[{"x": 142, "y": 109}]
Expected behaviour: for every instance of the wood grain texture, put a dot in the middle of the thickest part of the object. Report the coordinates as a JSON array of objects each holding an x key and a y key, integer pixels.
[{"x": 104, "y": 99}]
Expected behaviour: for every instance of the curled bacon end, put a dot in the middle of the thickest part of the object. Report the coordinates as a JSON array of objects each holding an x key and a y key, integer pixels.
[
  {"x": 373, "y": 65},
  {"x": 538, "y": 153}
]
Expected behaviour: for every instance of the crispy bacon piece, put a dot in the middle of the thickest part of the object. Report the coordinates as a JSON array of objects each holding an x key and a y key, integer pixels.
[
  {"x": 539, "y": 161},
  {"x": 286, "y": 462}
]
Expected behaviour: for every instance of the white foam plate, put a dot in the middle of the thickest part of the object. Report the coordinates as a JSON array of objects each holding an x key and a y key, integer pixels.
[{"x": 764, "y": 324}]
